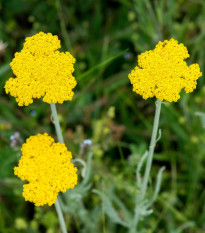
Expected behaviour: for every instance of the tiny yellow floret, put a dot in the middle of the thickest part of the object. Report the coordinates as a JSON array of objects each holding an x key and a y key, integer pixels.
[
  {"x": 42, "y": 71},
  {"x": 47, "y": 167},
  {"x": 163, "y": 73}
]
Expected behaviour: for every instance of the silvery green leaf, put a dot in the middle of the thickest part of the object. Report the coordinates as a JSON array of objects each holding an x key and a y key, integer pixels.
[{"x": 109, "y": 209}]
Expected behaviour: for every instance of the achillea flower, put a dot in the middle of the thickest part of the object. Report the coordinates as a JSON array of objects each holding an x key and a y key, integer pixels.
[
  {"x": 47, "y": 167},
  {"x": 42, "y": 71},
  {"x": 163, "y": 73}
]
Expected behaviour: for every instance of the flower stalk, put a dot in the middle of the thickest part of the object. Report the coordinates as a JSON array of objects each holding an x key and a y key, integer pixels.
[
  {"x": 60, "y": 139},
  {"x": 56, "y": 123},
  {"x": 151, "y": 148},
  {"x": 60, "y": 216},
  {"x": 148, "y": 164}
]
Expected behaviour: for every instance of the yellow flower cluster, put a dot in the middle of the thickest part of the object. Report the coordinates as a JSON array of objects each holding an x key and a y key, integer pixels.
[
  {"x": 163, "y": 73},
  {"x": 47, "y": 167},
  {"x": 42, "y": 71}
]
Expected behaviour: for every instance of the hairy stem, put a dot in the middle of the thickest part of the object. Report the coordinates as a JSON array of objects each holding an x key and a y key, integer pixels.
[
  {"x": 56, "y": 123},
  {"x": 148, "y": 164},
  {"x": 151, "y": 148},
  {"x": 60, "y": 217},
  {"x": 60, "y": 139}
]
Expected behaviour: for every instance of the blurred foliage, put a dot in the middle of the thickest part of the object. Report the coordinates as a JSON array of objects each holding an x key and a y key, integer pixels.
[{"x": 105, "y": 37}]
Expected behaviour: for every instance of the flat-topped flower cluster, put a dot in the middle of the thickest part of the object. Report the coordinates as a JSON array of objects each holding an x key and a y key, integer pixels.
[
  {"x": 42, "y": 71},
  {"x": 163, "y": 73},
  {"x": 47, "y": 167}
]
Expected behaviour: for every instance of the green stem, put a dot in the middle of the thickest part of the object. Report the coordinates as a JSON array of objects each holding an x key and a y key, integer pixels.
[
  {"x": 151, "y": 148},
  {"x": 148, "y": 164},
  {"x": 56, "y": 123},
  {"x": 60, "y": 139},
  {"x": 60, "y": 216}
]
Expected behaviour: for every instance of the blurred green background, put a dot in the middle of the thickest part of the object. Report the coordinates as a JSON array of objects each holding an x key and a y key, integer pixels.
[{"x": 105, "y": 37}]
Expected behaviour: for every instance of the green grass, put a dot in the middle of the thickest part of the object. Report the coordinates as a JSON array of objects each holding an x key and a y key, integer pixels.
[{"x": 105, "y": 37}]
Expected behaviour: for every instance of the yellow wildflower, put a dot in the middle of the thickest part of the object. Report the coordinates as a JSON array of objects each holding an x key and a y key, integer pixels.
[
  {"x": 42, "y": 71},
  {"x": 163, "y": 73},
  {"x": 47, "y": 167}
]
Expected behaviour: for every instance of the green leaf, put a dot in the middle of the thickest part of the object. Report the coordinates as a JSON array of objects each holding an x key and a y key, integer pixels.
[
  {"x": 88, "y": 73},
  {"x": 109, "y": 209}
]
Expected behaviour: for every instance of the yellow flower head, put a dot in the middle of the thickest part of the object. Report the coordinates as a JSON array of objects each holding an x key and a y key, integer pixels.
[
  {"x": 47, "y": 167},
  {"x": 42, "y": 71},
  {"x": 163, "y": 73}
]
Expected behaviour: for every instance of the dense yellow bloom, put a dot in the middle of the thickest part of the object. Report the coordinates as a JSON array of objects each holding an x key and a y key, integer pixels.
[
  {"x": 47, "y": 167},
  {"x": 42, "y": 71},
  {"x": 163, "y": 73}
]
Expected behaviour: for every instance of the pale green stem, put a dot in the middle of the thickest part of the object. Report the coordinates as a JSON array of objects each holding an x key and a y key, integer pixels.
[
  {"x": 151, "y": 148},
  {"x": 148, "y": 164},
  {"x": 56, "y": 123},
  {"x": 60, "y": 139},
  {"x": 60, "y": 216}
]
